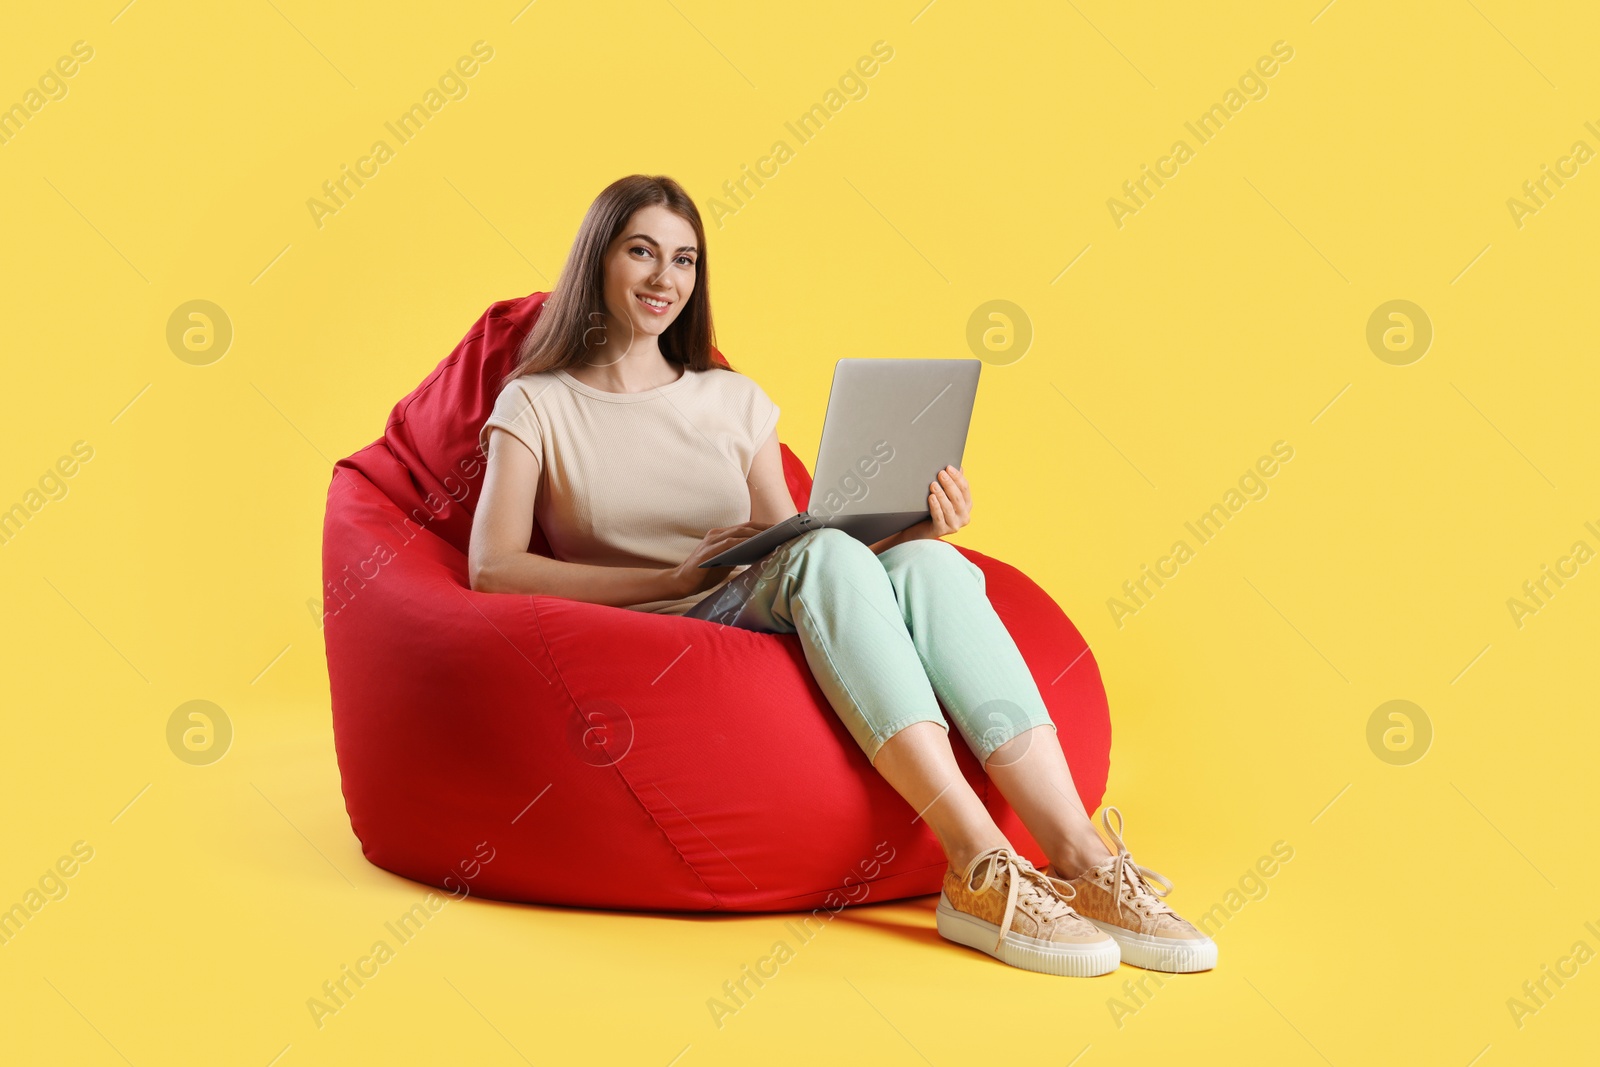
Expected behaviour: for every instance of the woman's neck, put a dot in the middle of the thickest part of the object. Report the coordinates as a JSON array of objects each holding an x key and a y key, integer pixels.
[{"x": 637, "y": 369}]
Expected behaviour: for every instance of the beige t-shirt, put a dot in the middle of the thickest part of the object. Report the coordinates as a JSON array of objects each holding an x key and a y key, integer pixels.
[{"x": 636, "y": 479}]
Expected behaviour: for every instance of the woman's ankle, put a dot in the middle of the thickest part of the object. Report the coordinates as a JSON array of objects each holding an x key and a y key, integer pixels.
[
  {"x": 962, "y": 851},
  {"x": 1071, "y": 858}
]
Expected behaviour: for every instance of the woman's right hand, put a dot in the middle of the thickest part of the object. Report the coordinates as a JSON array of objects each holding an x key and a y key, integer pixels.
[{"x": 689, "y": 578}]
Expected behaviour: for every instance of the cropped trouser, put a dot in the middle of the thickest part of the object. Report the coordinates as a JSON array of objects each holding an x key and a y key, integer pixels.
[{"x": 883, "y": 633}]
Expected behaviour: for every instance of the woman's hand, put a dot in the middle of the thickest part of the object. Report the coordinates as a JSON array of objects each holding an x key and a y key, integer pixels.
[
  {"x": 689, "y": 578},
  {"x": 949, "y": 507}
]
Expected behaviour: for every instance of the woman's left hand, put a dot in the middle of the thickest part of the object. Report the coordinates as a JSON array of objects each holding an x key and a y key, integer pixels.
[{"x": 949, "y": 506}]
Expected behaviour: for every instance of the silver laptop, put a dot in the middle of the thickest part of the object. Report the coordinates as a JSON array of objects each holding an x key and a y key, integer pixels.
[{"x": 892, "y": 425}]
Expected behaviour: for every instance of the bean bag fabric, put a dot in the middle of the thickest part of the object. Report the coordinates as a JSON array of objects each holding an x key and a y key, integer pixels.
[{"x": 539, "y": 749}]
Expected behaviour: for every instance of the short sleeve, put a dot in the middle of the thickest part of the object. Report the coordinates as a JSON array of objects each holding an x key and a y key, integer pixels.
[
  {"x": 513, "y": 412},
  {"x": 765, "y": 417}
]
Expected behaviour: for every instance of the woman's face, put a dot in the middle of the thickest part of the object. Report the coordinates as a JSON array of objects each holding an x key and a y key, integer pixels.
[{"x": 649, "y": 272}]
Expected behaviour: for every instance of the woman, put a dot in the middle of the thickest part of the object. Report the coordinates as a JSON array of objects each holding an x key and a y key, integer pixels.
[{"x": 639, "y": 458}]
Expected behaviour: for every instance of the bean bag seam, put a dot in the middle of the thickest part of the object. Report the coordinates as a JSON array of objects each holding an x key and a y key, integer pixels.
[
  {"x": 573, "y": 704},
  {"x": 438, "y": 372}
]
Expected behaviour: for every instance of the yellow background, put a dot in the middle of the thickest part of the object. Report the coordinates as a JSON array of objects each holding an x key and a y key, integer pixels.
[{"x": 1227, "y": 314}]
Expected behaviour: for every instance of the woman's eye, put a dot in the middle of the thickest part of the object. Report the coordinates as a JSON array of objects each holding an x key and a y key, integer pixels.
[
  {"x": 639, "y": 248},
  {"x": 686, "y": 261}
]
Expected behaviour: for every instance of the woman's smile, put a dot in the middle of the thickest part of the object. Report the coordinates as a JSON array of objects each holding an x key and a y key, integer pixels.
[{"x": 656, "y": 305}]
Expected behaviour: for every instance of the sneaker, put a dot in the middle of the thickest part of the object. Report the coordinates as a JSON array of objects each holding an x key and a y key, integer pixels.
[
  {"x": 1007, "y": 907},
  {"x": 1124, "y": 899}
]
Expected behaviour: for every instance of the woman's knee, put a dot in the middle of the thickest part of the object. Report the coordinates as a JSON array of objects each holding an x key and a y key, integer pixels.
[
  {"x": 927, "y": 553},
  {"x": 841, "y": 551}
]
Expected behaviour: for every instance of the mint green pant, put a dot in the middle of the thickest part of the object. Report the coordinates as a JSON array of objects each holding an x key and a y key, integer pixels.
[{"x": 883, "y": 633}]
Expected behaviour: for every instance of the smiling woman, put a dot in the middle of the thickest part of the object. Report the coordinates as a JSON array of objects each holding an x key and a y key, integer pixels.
[
  {"x": 640, "y": 458},
  {"x": 620, "y": 434},
  {"x": 619, "y": 259}
]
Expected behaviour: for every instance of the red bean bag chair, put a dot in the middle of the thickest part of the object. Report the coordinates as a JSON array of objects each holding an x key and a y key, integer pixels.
[{"x": 534, "y": 748}]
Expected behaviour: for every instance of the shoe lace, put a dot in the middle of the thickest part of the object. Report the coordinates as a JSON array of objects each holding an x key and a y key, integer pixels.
[
  {"x": 1140, "y": 886},
  {"x": 1024, "y": 882}
]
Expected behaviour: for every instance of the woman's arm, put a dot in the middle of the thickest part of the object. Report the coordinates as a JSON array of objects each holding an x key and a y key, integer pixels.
[
  {"x": 770, "y": 501},
  {"x": 498, "y": 560},
  {"x": 889, "y": 542}
]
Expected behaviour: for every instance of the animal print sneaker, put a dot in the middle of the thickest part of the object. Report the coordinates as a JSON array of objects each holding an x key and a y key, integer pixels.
[
  {"x": 1005, "y": 906},
  {"x": 1124, "y": 899}
]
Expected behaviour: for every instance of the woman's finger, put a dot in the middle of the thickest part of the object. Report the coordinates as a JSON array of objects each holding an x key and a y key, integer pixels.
[
  {"x": 963, "y": 507},
  {"x": 955, "y": 514},
  {"x": 956, "y": 485},
  {"x": 958, "y": 506}
]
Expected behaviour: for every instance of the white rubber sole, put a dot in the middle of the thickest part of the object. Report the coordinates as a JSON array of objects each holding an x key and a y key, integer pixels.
[
  {"x": 1161, "y": 953},
  {"x": 1029, "y": 953}
]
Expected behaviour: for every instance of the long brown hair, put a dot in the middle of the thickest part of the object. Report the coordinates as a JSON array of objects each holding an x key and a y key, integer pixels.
[{"x": 557, "y": 339}]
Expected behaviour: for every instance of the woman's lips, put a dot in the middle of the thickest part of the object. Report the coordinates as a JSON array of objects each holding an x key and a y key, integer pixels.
[{"x": 652, "y": 309}]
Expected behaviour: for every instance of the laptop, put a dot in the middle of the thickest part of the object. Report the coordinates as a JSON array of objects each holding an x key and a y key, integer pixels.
[{"x": 891, "y": 426}]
